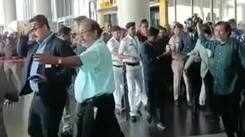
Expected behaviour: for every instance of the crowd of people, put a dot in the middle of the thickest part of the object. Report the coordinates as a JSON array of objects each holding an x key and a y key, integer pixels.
[{"x": 101, "y": 70}]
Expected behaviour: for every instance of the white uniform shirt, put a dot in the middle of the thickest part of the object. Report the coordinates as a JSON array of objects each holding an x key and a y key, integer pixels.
[
  {"x": 130, "y": 46},
  {"x": 113, "y": 46}
]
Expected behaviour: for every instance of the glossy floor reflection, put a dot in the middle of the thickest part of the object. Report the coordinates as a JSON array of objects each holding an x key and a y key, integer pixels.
[
  {"x": 16, "y": 117},
  {"x": 180, "y": 122}
]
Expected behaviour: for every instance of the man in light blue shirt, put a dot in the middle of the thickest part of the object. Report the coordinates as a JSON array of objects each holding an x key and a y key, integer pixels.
[
  {"x": 96, "y": 75},
  {"x": 94, "y": 83}
]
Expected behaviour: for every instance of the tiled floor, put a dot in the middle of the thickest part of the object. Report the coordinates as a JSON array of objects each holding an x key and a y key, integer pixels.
[
  {"x": 16, "y": 117},
  {"x": 180, "y": 122},
  {"x": 213, "y": 135}
]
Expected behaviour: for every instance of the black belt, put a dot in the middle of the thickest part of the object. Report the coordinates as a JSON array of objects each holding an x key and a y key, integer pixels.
[
  {"x": 36, "y": 93},
  {"x": 132, "y": 64},
  {"x": 118, "y": 66},
  {"x": 95, "y": 100}
]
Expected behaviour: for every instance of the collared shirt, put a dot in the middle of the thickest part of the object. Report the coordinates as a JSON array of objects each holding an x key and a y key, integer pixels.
[
  {"x": 35, "y": 65},
  {"x": 130, "y": 47},
  {"x": 113, "y": 46},
  {"x": 199, "y": 53},
  {"x": 224, "y": 63},
  {"x": 95, "y": 76}
]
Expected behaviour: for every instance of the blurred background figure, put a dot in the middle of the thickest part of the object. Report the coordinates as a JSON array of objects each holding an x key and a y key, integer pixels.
[{"x": 142, "y": 31}]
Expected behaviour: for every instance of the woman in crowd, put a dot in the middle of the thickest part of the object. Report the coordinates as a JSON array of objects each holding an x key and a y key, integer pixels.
[{"x": 178, "y": 43}]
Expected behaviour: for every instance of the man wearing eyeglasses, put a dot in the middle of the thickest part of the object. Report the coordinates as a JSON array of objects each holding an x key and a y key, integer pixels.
[{"x": 49, "y": 83}]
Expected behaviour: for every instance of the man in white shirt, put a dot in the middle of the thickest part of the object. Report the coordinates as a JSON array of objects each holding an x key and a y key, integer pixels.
[
  {"x": 113, "y": 45},
  {"x": 129, "y": 51}
]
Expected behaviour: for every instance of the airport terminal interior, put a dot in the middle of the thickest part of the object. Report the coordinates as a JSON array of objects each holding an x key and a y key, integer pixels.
[{"x": 122, "y": 68}]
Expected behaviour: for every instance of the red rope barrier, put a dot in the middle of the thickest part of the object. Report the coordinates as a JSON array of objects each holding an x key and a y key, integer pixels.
[{"x": 11, "y": 60}]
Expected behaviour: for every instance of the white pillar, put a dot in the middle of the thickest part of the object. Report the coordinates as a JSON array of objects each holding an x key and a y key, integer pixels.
[
  {"x": 80, "y": 8},
  {"x": 42, "y": 7},
  {"x": 132, "y": 10},
  {"x": 9, "y": 11},
  {"x": 1, "y": 13},
  {"x": 24, "y": 9}
]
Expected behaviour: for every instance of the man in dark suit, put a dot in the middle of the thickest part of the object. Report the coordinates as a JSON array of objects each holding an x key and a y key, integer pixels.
[
  {"x": 150, "y": 52},
  {"x": 49, "y": 83}
]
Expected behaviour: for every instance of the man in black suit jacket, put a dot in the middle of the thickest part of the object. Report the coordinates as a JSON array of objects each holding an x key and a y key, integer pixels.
[{"x": 49, "y": 83}]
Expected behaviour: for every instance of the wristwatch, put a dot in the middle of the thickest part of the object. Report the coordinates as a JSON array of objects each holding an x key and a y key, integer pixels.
[{"x": 59, "y": 61}]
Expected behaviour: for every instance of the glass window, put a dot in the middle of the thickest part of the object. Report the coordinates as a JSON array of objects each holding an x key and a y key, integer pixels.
[
  {"x": 183, "y": 10},
  {"x": 227, "y": 9},
  {"x": 154, "y": 16},
  {"x": 241, "y": 12},
  {"x": 203, "y": 9},
  {"x": 171, "y": 12}
]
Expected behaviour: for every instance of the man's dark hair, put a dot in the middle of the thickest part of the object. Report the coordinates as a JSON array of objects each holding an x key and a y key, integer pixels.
[
  {"x": 206, "y": 29},
  {"x": 144, "y": 21},
  {"x": 64, "y": 30},
  {"x": 178, "y": 25},
  {"x": 153, "y": 31},
  {"x": 115, "y": 28},
  {"x": 79, "y": 19},
  {"x": 130, "y": 24},
  {"x": 40, "y": 19},
  {"x": 162, "y": 28},
  {"x": 232, "y": 21}
]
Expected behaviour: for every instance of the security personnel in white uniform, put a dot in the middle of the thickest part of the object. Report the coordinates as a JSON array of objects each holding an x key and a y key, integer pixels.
[
  {"x": 130, "y": 53},
  {"x": 113, "y": 45}
]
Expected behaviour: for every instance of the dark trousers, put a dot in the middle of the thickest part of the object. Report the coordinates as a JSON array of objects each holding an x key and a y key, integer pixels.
[
  {"x": 227, "y": 107},
  {"x": 153, "y": 91},
  {"x": 44, "y": 120},
  {"x": 195, "y": 84},
  {"x": 242, "y": 116},
  {"x": 96, "y": 118}
]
